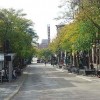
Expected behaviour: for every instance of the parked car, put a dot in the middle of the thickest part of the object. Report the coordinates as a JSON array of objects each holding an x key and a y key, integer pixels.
[{"x": 38, "y": 61}]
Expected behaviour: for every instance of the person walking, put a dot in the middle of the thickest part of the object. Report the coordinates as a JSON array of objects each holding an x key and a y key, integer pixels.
[
  {"x": 14, "y": 74},
  {"x": 45, "y": 62},
  {"x": 6, "y": 74},
  {"x": 2, "y": 74}
]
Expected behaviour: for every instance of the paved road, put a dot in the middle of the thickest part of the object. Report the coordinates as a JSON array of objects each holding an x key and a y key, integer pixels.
[{"x": 48, "y": 83}]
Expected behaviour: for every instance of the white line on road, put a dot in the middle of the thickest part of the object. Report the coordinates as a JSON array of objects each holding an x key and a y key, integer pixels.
[
  {"x": 84, "y": 78},
  {"x": 59, "y": 70}
]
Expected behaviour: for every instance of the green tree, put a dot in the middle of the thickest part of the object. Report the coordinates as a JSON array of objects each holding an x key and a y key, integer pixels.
[
  {"x": 18, "y": 30},
  {"x": 44, "y": 54}
]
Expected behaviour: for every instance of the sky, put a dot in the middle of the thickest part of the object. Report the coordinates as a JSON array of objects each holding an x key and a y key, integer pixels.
[{"x": 41, "y": 12}]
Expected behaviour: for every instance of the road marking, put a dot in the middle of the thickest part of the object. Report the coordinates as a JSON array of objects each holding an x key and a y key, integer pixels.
[
  {"x": 47, "y": 90},
  {"x": 84, "y": 78},
  {"x": 61, "y": 70}
]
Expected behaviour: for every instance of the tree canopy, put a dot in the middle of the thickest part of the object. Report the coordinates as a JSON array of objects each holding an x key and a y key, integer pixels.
[
  {"x": 18, "y": 31},
  {"x": 78, "y": 34}
]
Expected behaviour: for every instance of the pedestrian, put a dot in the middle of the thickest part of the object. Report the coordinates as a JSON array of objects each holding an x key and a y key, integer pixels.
[
  {"x": 14, "y": 74},
  {"x": 2, "y": 74},
  {"x": 45, "y": 62},
  {"x": 53, "y": 63},
  {"x": 91, "y": 66},
  {"x": 6, "y": 74}
]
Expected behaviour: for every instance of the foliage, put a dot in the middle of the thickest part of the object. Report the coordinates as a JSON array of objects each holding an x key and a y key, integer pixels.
[
  {"x": 78, "y": 34},
  {"x": 86, "y": 35},
  {"x": 66, "y": 12},
  {"x": 90, "y": 9},
  {"x": 75, "y": 36},
  {"x": 18, "y": 30},
  {"x": 44, "y": 53}
]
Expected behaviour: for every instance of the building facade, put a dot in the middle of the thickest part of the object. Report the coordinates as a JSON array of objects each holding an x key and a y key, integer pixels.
[{"x": 44, "y": 44}]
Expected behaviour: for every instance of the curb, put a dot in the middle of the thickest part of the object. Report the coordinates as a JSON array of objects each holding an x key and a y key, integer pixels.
[{"x": 16, "y": 91}]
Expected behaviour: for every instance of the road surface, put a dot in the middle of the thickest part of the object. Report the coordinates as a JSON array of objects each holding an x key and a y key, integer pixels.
[{"x": 48, "y": 83}]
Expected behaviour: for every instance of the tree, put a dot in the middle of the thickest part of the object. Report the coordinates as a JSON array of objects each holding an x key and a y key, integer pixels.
[
  {"x": 78, "y": 35},
  {"x": 91, "y": 9},
  {"x": 18, "y": 30},
  {"x": 86, "y": 34},
  {"x": 66, "y": 12},
  {"x": 44, "y": 54}
]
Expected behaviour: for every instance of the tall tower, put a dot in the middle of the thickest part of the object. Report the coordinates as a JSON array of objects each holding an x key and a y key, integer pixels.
[{"x": 48, "y": 30}]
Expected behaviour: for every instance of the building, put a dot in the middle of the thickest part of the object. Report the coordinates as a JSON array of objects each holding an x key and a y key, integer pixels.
[
  {"x": 48, "y": 31},
  {"x": 44, "y": 44},
  {"x": 59, "y": 27}
]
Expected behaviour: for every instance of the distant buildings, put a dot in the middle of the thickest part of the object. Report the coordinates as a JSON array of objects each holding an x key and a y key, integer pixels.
[
  {"x": 48, "y": 31},
  {"x": 59, "y": 27},
  {"x": 44, "y": 44}
]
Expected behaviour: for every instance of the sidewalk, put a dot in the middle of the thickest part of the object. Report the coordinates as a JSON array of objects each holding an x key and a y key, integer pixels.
[
  {"x": 84, "y": 77},
  {"x": 9, "y": 89}
]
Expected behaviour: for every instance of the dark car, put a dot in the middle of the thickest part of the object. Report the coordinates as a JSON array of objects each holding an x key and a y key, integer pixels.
[{"x": 38, "y": 61}]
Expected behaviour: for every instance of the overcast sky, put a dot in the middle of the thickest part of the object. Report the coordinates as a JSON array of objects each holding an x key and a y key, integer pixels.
[{"x": 41, "y": 12}]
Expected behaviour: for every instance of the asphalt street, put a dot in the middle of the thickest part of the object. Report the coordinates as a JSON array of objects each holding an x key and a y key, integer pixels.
[{"x": 49, "y": 83}]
